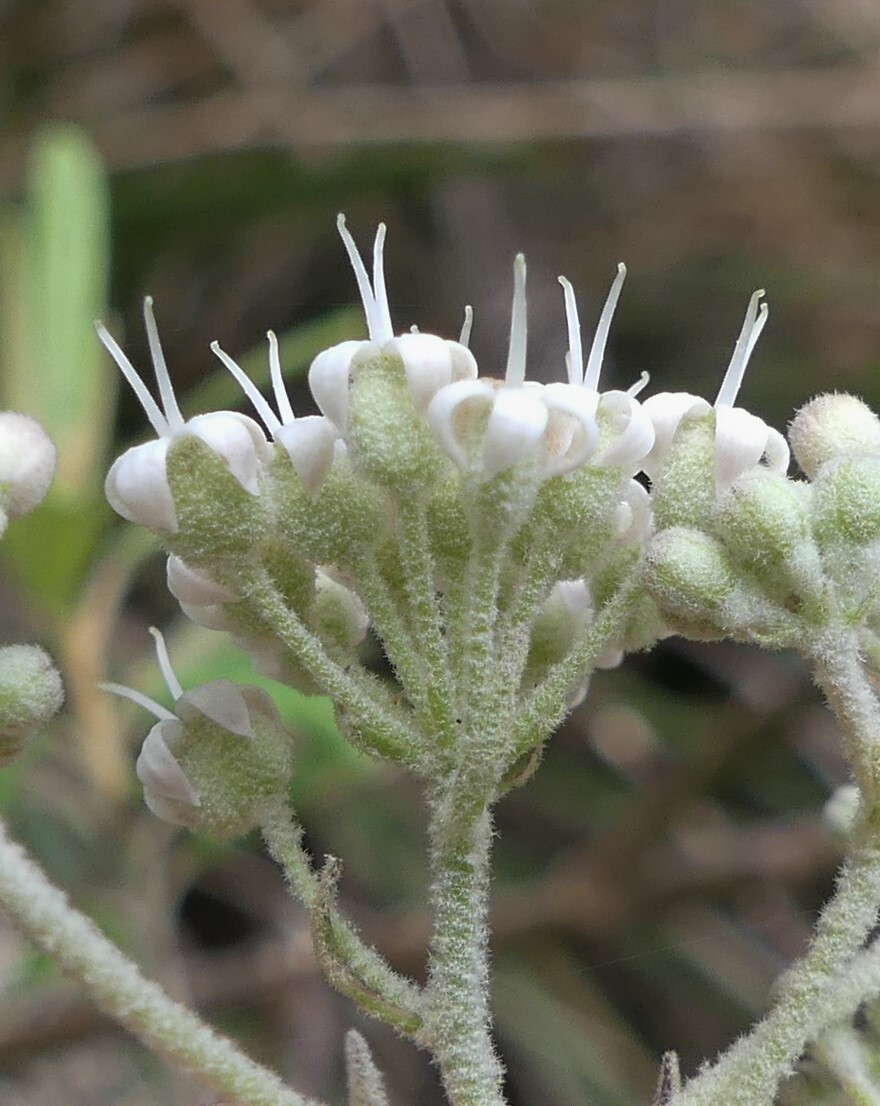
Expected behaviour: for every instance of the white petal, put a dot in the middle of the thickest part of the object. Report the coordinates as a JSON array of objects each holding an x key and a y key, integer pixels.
[
  {"x": 137, "y": 487},
  {"x": 740, "y": 441},
  {"x": 311, "y": 445},
  {"x": 442, "y": 412},
  {"x": 210, "y": 616},
  {"x": 666, "y": 410},
  {"x": 329, "y": 381},
  {"x": 464, "y": 364},
  {"x": 427, "y": 360},
  {"x": 158, "y": 770},
  {"x": 220, "y": 701},
  {"x": 188, "y": 585},
  {"x": 776, "y": 451},
  {"x": 637, "y": 505},
  {"x": 572, "y": 431},
  {"x": 609, "y": 658},
  {"x": 635, "y": 433},
  {"x": 237, "y": 440},
  {"x": 516, "y": 424}
]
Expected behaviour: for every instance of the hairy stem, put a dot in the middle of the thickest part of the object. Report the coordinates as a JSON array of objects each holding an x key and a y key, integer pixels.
[
  {"x": 749, "y": 1073},
  {"x": 119, "y": 988},
  {"x": 352, "y": 966},
  {"x": 456, "y": 999}
]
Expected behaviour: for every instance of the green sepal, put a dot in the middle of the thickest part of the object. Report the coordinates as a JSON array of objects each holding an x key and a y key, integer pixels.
[
  {"x": 389, "y": 441},
  {"x": 216, "y": 517}
]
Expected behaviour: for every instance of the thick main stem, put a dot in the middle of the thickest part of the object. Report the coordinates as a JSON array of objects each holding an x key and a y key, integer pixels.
[
  {"x": 119, "y": 988},
  {"x": 457, "y": 1001}
]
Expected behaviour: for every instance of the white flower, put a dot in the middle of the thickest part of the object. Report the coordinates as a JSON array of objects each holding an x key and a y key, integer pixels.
[
  {"x": 201, "y": 599},
  {"x": 429, "y": 362},
  {"x": 310, "y": 441},
  {"x": 27, "y": 465},
  {"x": 168, "y": 791},
  {"x": 742, "y": 440},
  {"x": 632, "y": 434},
  {"x": 137, "y": 483},
  {"x": 491, "y": 424}
]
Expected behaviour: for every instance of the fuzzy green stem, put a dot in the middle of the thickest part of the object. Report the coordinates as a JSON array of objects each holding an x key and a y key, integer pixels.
[
  {"x": 750, "y": 1072},
  {"x": 119, "y": 988},
  {"x": 545, "y": 707},
  {"x": 456, "y": 999},
  {"x": 425, "y": 614},
  {"x": 356, "y": 692},
  {"x": 838, "y": 670},
  {"x": 353, "y": 967}
]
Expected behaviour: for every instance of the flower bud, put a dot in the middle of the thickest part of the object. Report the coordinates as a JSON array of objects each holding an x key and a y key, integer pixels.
[
  {"x": 218, "y": 760},
  {"x": 217, "y": 765},
  {"x": 846, "y": 500},
  {"x": 27, "y": 465},
  {"x": 338, "y": 612},
  {"x": 30, "y": 693},
  {"x": 830, "y": 426},
  {"x": 689, "y": 578}
]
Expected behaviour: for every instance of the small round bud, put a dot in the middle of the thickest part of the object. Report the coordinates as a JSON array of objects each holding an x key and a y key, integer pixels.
[
  {"x": 689, "y": 577},
  {"x": 30, "y": 694},
  {"x": 832, "y": 425},
  {"x": 846, "y": 496},
  {"x": 27, "y": 464}
]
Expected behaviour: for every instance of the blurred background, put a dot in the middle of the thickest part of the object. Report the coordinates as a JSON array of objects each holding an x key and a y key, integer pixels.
[{"x": 667, "y": 861}]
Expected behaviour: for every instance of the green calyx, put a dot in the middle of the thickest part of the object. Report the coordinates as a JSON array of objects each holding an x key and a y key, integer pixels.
[
  {"x": 235, "y": 772},
  {"x": 30, "y": 694},
  {"x": 389, "y": 441}
]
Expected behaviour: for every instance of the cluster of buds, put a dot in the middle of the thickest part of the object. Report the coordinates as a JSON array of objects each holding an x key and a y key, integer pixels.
[
  {"x": 30, "y": 686},
  {"x": 482, "y": 525}
]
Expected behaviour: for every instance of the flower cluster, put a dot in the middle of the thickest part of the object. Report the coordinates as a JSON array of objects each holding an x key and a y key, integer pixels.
[{"x": 486, "y": 527}]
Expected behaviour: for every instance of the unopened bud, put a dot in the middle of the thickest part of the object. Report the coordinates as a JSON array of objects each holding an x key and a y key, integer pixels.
[
  {"x": 30, "y": 693},
  {"x": 830, "y": 426},
  {"x": 27, "y": 465}
]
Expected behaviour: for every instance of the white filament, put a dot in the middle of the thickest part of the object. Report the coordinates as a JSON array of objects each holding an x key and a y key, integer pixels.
[
  {"x": 249, "y": 388},
  {"x": 516, "y": 356},
  {"x": 166, "y": 391},
  {"x": 466, "y": 327},
  {"x": 171, "y": 681},
  {"x": 753, "y": 324},
  {"x": 597, "y": 350},
  {"x": 575, "y": 359},
  {"x": 374, "y": 298},
  {"x": 281, "y": 397},
  {"x": 151, "y": 408}
]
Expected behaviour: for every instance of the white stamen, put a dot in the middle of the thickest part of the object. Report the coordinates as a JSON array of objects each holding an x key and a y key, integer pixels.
[
  {"x": 249, "y": 388},
  {"x": 516, "y": 356},
  {"x": 575, "y": 359},
  {"x": 414, "y": 329},
  {"x": 640, "y": 385},
  {"x": 466, "y": 327},
  {"x": 156, "y": 709},
  {"x": 380, "y": 295},
  {"x": 281, "y": 397},
  {"x": 171, "y": 681},
  {"x": 151, "y": 408},
  {"x": 363, "y": 281},
  {"x": 597, "y": 350},
  {"x": 752, "y": 326},
  {"x": 166, "y": 391}
]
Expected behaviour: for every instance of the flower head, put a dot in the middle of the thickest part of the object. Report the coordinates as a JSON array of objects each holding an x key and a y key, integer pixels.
[
  {"x": 430, "y": 362},
  {"x": 215, "y": 760},
  {"x": 742, "y": 440},
  {"x": 137, "y": 484}
]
